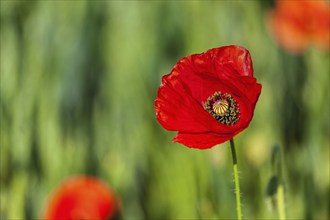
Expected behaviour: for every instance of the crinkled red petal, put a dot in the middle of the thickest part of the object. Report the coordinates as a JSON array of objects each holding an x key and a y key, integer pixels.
[{"x": 201, "y": 140}]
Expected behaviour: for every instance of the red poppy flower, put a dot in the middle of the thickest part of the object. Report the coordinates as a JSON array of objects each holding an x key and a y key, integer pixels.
[
  {"x": 82, "y": 198},
  {"x": 209, "y": 97},
  {"x": 297, "y": 24}
]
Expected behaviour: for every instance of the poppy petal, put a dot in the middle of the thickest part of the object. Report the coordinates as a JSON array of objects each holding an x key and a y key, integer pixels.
[
  {"x": 201, "y": 140},
  {"x": 238, "y": 58}
]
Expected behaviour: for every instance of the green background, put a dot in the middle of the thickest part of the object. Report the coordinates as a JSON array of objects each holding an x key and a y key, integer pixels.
[{"x": 78, "y": 84}]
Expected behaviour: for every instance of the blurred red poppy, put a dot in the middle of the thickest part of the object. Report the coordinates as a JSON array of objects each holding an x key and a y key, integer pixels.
[
  {"x": 82, "y": 198},
  {"x": 209, "y": 97},
  {"x": 297, "y": 24}
]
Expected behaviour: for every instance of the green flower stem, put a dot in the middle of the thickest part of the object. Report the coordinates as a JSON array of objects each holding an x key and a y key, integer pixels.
[
  {"x": 280, "y": 202},
  {"x": 236, "y": 179}
]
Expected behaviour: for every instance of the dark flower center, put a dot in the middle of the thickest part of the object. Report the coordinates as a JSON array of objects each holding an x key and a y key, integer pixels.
[{"x": 223, "y": 107}]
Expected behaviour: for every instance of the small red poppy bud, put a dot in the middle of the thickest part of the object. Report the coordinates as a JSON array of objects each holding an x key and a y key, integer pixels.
[{"x": 83, "y": 198}]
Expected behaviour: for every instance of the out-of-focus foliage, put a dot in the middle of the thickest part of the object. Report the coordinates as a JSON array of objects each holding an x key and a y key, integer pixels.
[{"x": 78, "y": 83}]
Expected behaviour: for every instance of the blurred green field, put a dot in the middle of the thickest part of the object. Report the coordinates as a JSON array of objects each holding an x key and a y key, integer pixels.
[{"x": 78, "y": 84}]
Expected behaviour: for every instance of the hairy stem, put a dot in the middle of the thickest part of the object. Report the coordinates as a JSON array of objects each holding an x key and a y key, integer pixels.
[{"x": 236, "y": 179}]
